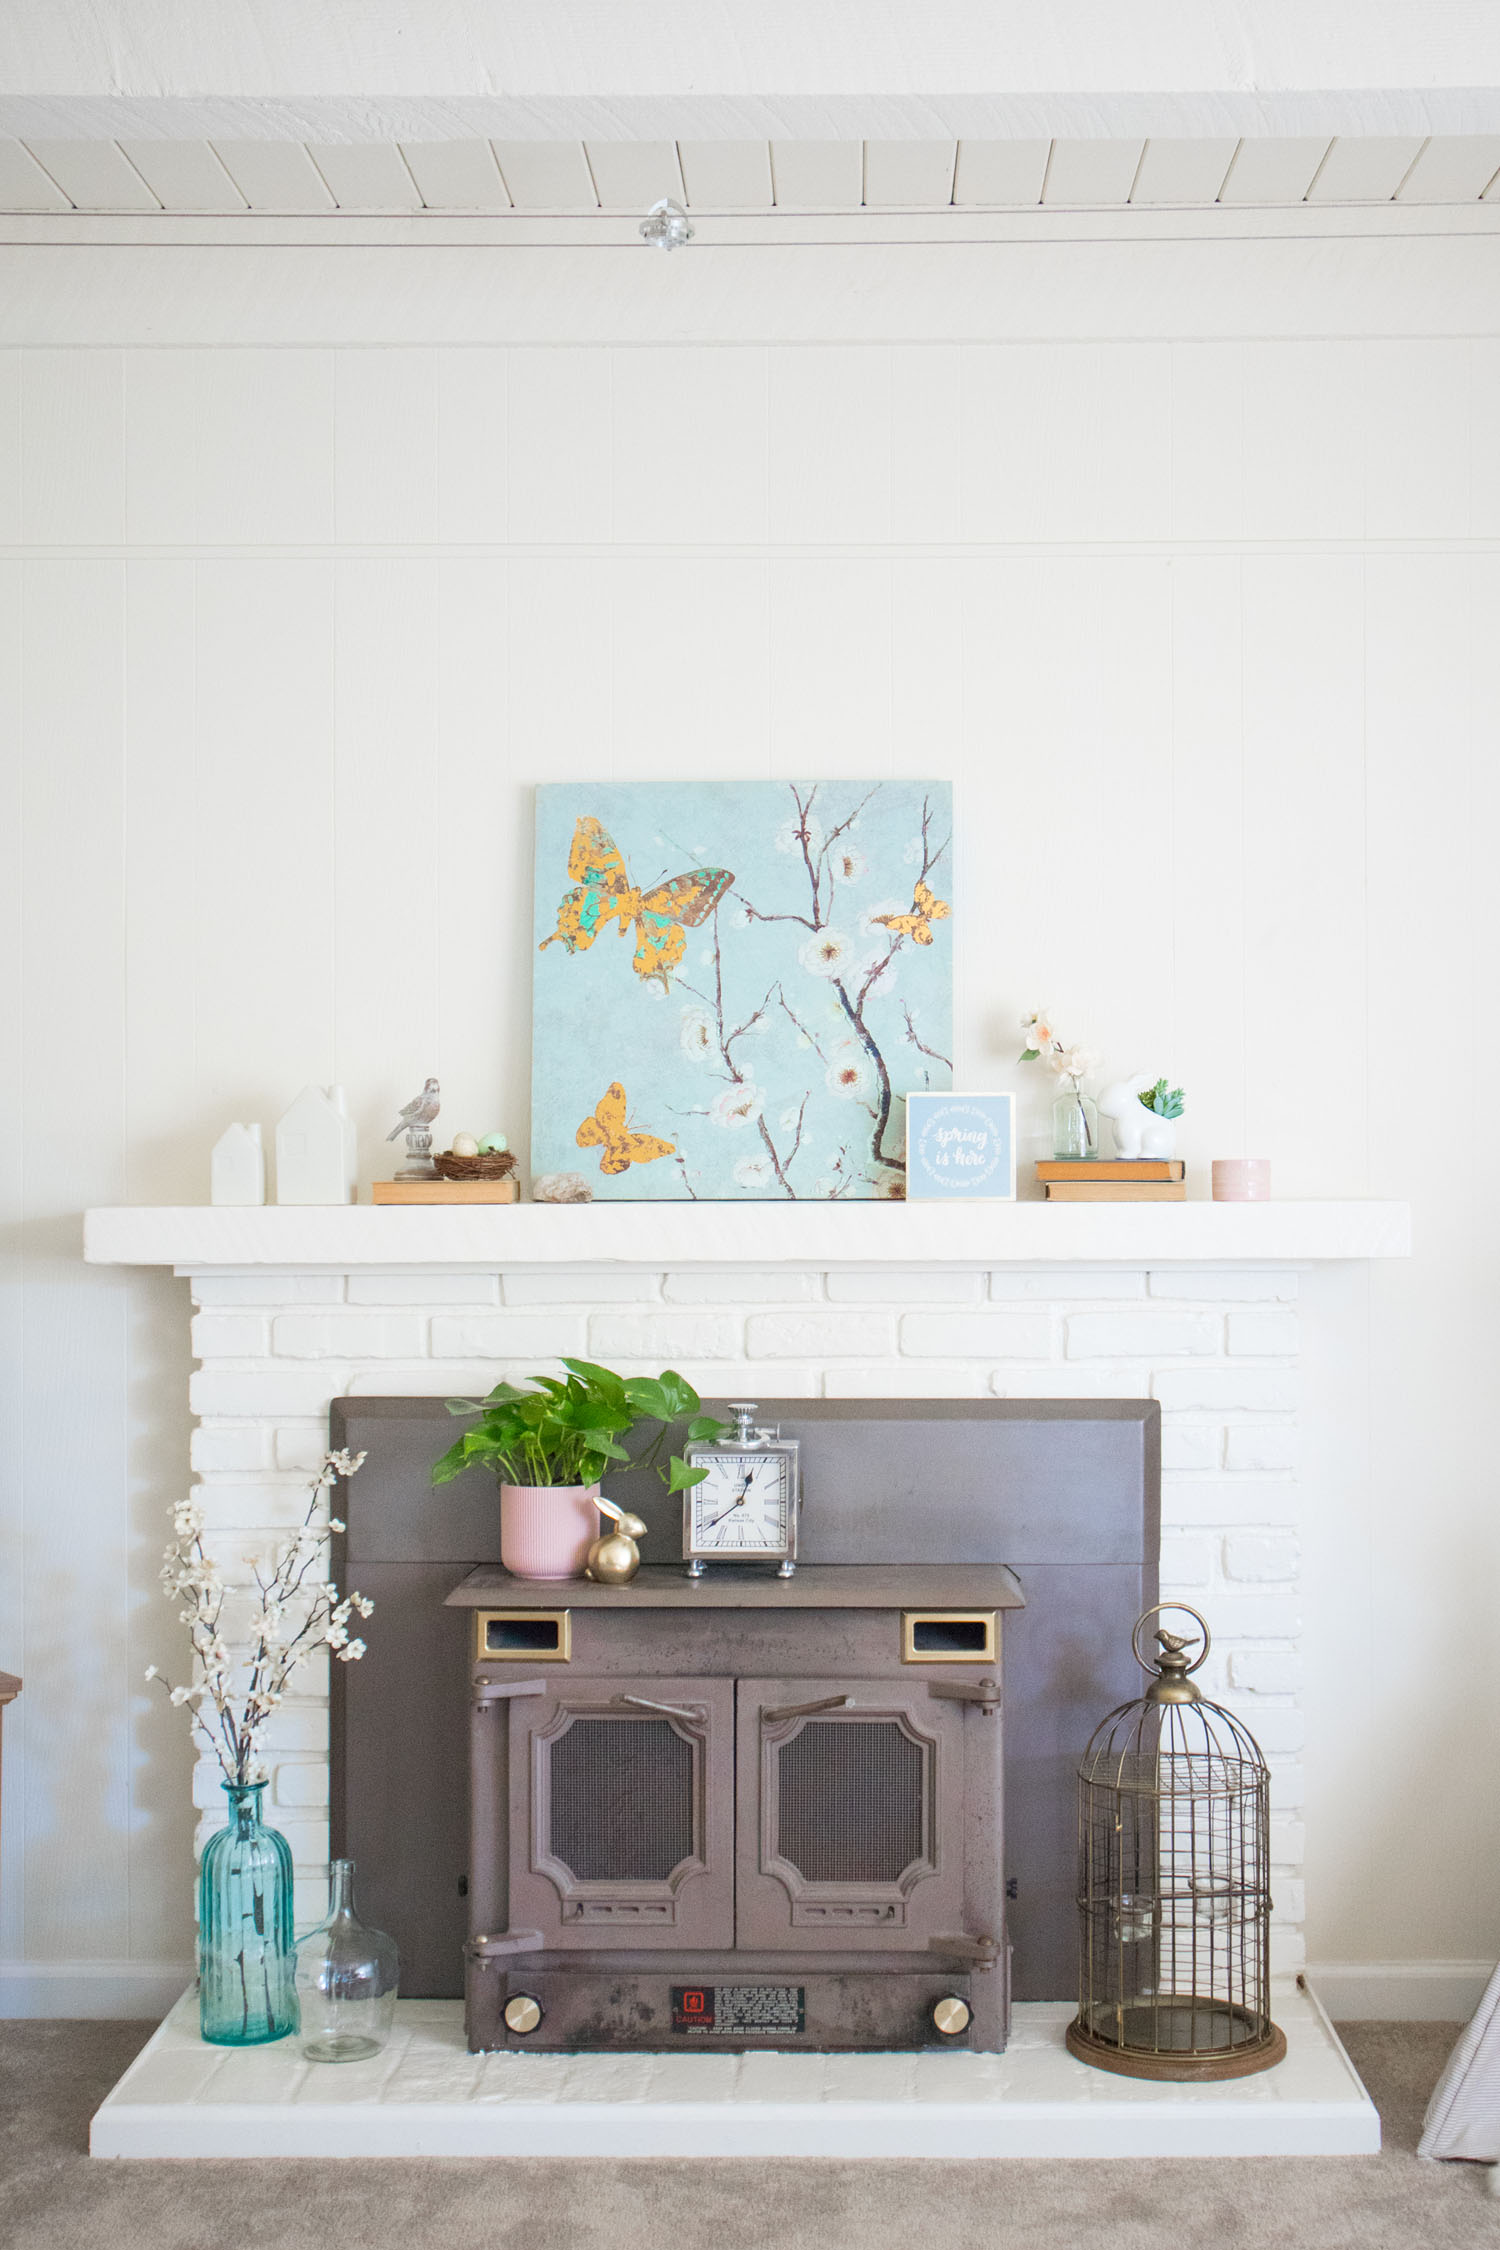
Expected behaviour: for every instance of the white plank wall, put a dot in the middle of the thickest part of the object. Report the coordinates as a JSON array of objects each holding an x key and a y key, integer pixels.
[{"x": 1204, "y": 632}]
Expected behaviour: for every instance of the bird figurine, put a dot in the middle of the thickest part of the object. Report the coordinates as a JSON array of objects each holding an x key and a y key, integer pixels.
[
  {"x": 422, "y": 1111},
  {"x": 415, "y": 1122}
]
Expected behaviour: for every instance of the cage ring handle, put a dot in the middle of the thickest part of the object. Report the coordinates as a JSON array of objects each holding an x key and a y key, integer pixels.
[{"x": 1157, "y": 1609}]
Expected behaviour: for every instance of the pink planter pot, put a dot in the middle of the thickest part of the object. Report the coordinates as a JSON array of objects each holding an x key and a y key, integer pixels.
[{"x": 545, "y": 1529}]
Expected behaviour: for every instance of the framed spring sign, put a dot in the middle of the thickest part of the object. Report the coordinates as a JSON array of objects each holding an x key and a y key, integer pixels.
[
  {"x": 737, "y": 985},
  {"x": 961, "y": 1146}
]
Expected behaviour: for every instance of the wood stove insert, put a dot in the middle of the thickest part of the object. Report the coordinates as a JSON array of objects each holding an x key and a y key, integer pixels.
[
  {"x": 1062, "y": 1492},
  {"x": 744, "y": 1812}
]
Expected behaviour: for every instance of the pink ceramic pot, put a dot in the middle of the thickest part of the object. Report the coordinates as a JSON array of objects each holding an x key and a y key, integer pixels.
[
  {"x": 1242, "y": 1179},
  {"x": 546, "y": 1529}
]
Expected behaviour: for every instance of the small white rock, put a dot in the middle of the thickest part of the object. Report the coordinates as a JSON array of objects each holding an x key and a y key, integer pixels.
[{"x": 464, "y": 1144}]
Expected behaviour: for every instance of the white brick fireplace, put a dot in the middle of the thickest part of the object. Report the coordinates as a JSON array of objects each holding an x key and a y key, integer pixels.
[{"x": 1194, "y": 1305}]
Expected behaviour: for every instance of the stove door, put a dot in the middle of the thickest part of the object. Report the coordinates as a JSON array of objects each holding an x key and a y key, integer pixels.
[
  {"x": 850, "y": 1829},
  {"x": 621, "y": 1813}
]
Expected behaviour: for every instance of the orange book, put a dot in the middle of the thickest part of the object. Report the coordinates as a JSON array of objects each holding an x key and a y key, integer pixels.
[
  {"x": 1117, "y": 1191},
  {"x": 1112, "y": 1168}
]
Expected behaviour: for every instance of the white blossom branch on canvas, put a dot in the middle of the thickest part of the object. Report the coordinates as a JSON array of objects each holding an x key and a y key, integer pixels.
[
  {"x": 295, "y": 1611},
  {"x": 827, "y": 859}
]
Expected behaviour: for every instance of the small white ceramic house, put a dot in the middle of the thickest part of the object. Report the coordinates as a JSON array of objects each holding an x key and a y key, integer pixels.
[
  {"x": 316, "y": 1156},
  {"x": 237, "y": 1166}
]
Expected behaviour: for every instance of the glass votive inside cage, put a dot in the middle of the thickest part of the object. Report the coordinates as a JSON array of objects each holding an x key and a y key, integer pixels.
[
  {"x": 1213, "y": 1898},
  {"x": 1135, "y": 1918},
  {"x": 346, "y": 1980}
]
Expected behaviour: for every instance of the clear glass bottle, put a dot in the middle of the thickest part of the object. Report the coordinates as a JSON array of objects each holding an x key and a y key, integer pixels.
[
  {"x": 346, "y": 1979},
  {"x": 246, "y": 1991},
  {"x": 1075, "y": 1126}
]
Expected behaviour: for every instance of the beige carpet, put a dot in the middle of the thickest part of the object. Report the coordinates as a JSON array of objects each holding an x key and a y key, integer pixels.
[{"x": 53, "y": 2197}]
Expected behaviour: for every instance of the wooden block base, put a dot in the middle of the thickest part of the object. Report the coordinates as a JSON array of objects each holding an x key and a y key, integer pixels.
[{"x": 445, "y": 1191}]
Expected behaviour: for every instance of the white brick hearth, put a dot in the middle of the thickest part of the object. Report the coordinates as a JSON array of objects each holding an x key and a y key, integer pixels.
[
  {"x": 1216, "y": 1343},
  {"x": 426, "y": 2095}
]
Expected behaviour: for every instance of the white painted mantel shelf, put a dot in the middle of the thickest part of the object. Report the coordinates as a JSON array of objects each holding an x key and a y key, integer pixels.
[{"x": 199, "y": 1238}]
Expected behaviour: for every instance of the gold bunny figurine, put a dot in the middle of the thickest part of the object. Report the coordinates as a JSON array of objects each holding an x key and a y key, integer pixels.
[{"x": 614, "y": 1558}]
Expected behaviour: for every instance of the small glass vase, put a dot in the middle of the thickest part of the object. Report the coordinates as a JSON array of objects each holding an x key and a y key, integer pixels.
[
  {"x": 346, "y": 1980},
  {"x": 246, "y": 1989},
  {"x": 1075, "y": 1127}
]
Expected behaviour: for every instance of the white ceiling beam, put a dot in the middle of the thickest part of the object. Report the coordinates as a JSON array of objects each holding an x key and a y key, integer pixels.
[
  {"x": 783, "y": 68},
  {"x": 366, "y": 177},
  {"x": 1269, "y": 172},
  {"x": 818, "y": 175},
  {"x": 1183, "y": 172},
  {"x": 909, "y": 175},
  {"x": 726, "y": 175},
  {"x": 24, "y": 185},
  {"x": 1081, "y": 173},
  {"x": 1000, "y": 174},
  {"x": 1364, "y": 171},
  {"x": 1149, "y": 112},
  {"x": 275, "y": 175},
  {"x": 456, "y": 175},
  {"x": 1453, "y": 170},
  {"x": 632, "y": 175},
  {"x": 547, "y": 175},
  {"x": 184, "y": 175},
  {"x": 95, "y": 175}
]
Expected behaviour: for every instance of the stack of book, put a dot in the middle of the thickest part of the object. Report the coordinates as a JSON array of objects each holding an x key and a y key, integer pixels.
[{"x": 1114, "y": 1179}]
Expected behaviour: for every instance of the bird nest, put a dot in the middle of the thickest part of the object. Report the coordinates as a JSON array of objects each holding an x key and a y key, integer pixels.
[{"x": 496, "y": 1167}]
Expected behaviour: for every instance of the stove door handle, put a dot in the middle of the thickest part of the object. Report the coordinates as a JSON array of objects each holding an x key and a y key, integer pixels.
[
  {"x": 496, "y": 1942},
  {"x": 985, "y": 1693},
  {"x": 672, "y": 1710},
  {"x": 981, "y": 1952},
  {"x": 801, "y": 1710}
]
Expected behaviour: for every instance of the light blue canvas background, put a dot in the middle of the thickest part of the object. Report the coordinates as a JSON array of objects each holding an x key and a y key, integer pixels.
[
  {"x": 960, "y": 1146},
  {"x": 595, "y": 1020}
]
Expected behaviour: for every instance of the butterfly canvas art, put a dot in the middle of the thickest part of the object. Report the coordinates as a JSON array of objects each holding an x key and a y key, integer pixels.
[
  {"x": 603, "y": 893},
  {"x": 756, "y": 973}
]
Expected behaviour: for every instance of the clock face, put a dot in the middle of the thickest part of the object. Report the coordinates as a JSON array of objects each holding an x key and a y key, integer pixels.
[{"x": 743, "y": 1505}]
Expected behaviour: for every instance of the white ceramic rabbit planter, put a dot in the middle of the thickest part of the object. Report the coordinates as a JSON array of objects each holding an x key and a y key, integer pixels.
[{"x": 1138, "y": 1131}]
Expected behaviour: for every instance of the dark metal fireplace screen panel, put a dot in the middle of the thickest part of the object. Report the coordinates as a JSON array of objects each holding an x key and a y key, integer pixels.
[
  {"x": 621, "y": 1819},
  {"x": 851, "y": 1799},
  {"x": 1064, "y": 1491},
  {"x": 620, "y": 1799}
]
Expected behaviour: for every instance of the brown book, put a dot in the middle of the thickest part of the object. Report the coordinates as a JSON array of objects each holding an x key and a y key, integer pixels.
[
  {"x": 445, "y": 1191},
  {"x": 1117, "y": 1191},
  {"x": 1112, "y": 1168}
]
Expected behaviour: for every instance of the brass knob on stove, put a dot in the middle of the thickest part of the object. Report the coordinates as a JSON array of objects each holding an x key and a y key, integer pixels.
[
  {"x": 951, "y": 2015},
  {"x": 522, "y": 2013}
]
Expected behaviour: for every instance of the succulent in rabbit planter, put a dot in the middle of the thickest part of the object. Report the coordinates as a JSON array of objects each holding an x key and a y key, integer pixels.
[{"x": 1144, "y": 1114}]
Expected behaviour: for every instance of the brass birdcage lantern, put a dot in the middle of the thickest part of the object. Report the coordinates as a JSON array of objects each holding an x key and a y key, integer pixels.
[{"x": 1174, "y": 1908}]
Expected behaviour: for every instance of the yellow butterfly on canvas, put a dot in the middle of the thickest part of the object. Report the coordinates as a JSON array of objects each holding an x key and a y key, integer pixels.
[
  {"x": 607, "y": 1129},
  {"x": 926, "y": 909},
  {"x": 604, "y": 893}
]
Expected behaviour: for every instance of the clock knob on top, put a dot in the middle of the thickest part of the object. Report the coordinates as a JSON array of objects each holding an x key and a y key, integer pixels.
[{"x": 951, "y": 2015}]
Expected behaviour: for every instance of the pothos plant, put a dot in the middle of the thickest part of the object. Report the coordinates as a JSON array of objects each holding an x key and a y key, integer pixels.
[{"x": 570, "y": 1432}]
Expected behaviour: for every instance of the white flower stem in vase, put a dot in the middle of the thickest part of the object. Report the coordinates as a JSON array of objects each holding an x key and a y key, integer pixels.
[
  {"x": 1075, "y": 1116},
  {"x": 1075, "y": 1126}
]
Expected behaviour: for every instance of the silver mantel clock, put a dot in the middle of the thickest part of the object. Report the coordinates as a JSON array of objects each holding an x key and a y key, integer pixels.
[{"x": 745, "y": 1509}]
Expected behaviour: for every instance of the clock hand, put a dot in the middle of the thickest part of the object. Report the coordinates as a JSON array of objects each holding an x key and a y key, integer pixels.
[{"x": 737, "y": 1502}]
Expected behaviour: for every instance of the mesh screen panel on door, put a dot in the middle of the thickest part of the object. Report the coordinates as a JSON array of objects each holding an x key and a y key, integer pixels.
[
  {"x": 621, "y": 1799},
  {"x": 849, "y": 1801}
]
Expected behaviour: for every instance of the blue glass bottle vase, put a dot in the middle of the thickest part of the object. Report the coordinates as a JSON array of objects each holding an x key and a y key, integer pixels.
[{"x": 247, "y": 1991}]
